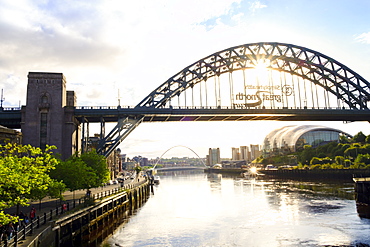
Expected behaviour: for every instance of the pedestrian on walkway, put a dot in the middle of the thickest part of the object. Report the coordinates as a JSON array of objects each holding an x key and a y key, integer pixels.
[
  {"x": 10, "y": 230},
  {"x": 22, "y": 218},
  {"x": 33, "y": 213},
  {"x": 3, "y": 237}
]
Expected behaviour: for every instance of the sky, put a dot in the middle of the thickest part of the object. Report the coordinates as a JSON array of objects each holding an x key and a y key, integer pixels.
[{"x": 112, "y": 50}]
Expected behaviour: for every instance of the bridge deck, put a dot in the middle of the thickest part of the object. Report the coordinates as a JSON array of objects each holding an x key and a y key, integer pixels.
[
  {"x": 11, "y": 117},
  {"x": 223, "y": 114}
]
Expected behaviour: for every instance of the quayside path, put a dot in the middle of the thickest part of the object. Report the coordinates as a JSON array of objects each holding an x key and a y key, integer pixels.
[{"x": 51, "y": 209}]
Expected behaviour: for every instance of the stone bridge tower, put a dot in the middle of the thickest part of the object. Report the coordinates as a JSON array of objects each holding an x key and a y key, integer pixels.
[{"x": 48, "y": 117}]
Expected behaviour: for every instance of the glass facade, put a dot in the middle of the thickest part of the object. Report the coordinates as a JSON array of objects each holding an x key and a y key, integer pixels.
[
  {"x": 317, "y": 138},
  {"x": 292, "y": 138}
]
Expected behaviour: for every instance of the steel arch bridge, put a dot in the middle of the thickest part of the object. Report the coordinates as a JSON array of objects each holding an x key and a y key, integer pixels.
[
  {"x": 320, "y": 70},
  {"x": 257, "y": 81}
]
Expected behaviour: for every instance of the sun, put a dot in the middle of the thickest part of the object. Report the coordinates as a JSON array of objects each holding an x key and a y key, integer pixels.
[
  {"x": 261, "y": 68},
  {"x": 253, "y": 170},
  {"x": 262, "y": 65}
]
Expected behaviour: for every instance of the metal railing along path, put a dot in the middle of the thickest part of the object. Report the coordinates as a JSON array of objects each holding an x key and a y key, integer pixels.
[{"x": 24, "y": 231}]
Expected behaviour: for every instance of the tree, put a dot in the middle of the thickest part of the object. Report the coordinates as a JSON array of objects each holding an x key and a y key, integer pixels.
[
  {"x": 54, "y": 190},
  {"x": 339, "y": 160},
  {"x": 315, "y": 161},
  {"x": 23, "y": 170},
  {"x": 362, "y": 159},
  {"x": 138, "y": 169},
  {"x": 99, "y": 165},
  {"x": 86, "y": 171},
  {"x": 75, "y": 174},
  {"x": 343, "y": 139},
  {"x": 359, "y": 137},
  {"x": 351, "y": 151}
]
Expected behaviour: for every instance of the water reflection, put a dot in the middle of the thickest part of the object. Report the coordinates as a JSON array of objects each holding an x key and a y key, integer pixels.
[{"x": 198, "y": 209}]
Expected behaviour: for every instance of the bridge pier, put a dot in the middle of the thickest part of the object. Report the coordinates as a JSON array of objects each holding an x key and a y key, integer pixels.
[{"x": 48, "y": 118}]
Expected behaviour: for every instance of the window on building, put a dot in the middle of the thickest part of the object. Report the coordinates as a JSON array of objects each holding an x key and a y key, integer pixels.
[
  {"x": 43, "y": 130},
  {"x": 44, "y": 99}
]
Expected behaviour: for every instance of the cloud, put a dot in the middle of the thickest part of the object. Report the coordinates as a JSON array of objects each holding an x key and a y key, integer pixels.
[
  {"x": 256, "y": 5},
  {"x": 363, "y": 38},
  {"x": 134, "y": 46}
]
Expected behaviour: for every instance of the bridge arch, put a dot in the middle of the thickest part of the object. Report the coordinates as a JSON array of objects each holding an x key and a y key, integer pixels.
[
  {"x": 260, "y": 81},
  {"x": 339, "y": 83},
  {"x": 159, "y": 159}
]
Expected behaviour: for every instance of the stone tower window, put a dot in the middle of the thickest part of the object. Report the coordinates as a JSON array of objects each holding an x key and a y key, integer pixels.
[
  {"x": 44, "y": 99},
  {"x": 44, "y": 103},
  {"x": 43, "y": 130}
]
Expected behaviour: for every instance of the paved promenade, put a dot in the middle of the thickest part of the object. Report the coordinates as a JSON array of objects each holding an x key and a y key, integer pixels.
[{"x": 50, "y": 204}]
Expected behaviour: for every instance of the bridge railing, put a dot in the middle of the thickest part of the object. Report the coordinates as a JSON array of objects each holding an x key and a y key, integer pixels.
[
  {"x": 24, "y": 229},
  {"x": 10, "y": 108},
  {"x": 215, "y": 108},
  {"x": 257, "y": 107},
  {"x": 103, "y": 107}
]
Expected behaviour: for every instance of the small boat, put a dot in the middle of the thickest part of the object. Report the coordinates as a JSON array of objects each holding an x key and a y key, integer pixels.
[{"x": 156, "y": 179}]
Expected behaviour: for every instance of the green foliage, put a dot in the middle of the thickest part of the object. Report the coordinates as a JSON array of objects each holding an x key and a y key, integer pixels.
[
  {"x": 315, "y": 161},
  {"x": 344, "y": 139},
  {"x": 367, "y": 139},
  {"x": 138, "y": 169},
  {"x": 99, "y": 165},
  {"x": 339, "y": 160},
  {"x": 24, "y": 174},
  {"x": 75, "y": 174},
  {"x": 82, "y": 172},
  {"x": 349, "y": 153},
  {"x": 362, "y": 159},
  {"x": 56, "y": 189},
  {"x": 315, "y": 167},
  {"x": 181, "y": 161},
  {"x": 359, "y": 137}
]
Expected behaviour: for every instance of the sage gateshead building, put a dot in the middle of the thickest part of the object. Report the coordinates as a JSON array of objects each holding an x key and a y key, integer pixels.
[{"x": 293, "y": 138}]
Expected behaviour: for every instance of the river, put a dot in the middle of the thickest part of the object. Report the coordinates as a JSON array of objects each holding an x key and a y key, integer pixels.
[{"x": 200, "y": 209}]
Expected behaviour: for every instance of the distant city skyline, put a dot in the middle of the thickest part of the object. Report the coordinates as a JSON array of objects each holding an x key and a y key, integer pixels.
[{"x": 117, "y": 52}]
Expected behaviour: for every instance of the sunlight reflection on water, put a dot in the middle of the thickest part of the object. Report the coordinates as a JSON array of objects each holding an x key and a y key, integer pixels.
[{"x": 213, "y": 210}]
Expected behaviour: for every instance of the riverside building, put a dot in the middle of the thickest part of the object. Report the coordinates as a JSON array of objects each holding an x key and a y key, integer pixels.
[
  {"x": 213, "y": 157},
  {"x": 293, "y": 138}
]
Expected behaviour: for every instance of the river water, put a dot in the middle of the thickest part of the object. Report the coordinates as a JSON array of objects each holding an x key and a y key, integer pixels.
[{"x": 200, "y": 209}]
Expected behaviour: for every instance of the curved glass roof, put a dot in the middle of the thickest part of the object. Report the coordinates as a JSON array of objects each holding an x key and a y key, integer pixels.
[{"x": 287, "y": 136}]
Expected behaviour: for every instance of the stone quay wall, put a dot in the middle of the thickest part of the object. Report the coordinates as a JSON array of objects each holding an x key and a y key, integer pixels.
[{"x": 91, "y": 225}]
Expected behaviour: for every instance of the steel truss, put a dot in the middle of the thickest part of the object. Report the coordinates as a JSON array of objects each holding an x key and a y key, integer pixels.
[
  {"x": 348, "y": 88},
  {"x": 335, "y": 78},
  {"x": 123, "y": 128}
]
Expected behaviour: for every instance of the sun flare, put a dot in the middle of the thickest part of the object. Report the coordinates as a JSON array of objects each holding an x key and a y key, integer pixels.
[
  {"x": 253, "y": 170},
  {"x": 261, "y": 67}
]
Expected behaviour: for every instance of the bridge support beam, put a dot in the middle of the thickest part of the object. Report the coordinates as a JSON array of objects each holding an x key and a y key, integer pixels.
[
  {"x": 85, "y": 134},
  {"x": 102, "y": 128},
  {"x": 123, "y": 128}
]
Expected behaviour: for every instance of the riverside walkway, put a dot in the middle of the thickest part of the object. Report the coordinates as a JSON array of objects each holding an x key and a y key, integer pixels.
[{"x": 53, "y": 208}]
